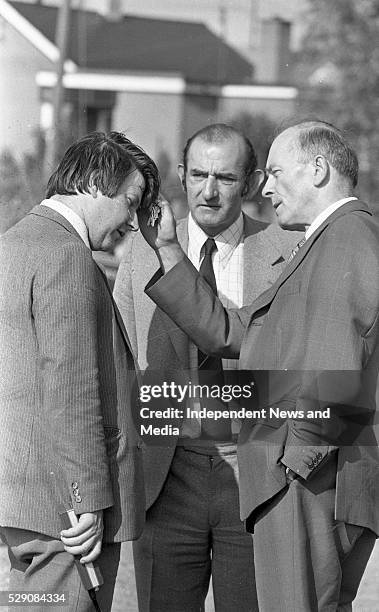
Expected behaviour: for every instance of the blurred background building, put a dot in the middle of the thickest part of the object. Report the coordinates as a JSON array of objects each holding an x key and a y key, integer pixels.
[
  {"x": 158, "y": 74},
  {"x": 161, "y": 70}
]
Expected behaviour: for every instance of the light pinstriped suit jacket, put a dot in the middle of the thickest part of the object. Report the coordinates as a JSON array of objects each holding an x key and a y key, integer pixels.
[
  {"x": 65, "y": 393},
  {"x": 316, "y": 330},
  {"x": 158, "y": 343}
]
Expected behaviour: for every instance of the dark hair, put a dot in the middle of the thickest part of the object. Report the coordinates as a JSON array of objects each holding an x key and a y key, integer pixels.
[
  {"x": 144, "y": 164},
  {"x": 219, "y": 132},
  {"x": 316, "y": 137},
  {"x": 103, "y": 160}
]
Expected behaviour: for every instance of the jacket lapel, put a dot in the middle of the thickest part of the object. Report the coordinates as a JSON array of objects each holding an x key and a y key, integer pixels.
[
  {"x": 267, "y": 297},
  {"x": 260, "y": 254},
  {"x": 177, "y": 337},
  {"x": 118, "y": 319},
  {"x": 266, "y": 244},
  {"x": 182, "y": 232}
]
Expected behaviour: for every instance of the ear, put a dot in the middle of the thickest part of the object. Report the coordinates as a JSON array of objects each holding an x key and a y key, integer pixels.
[
  {"x": 321, "y": 170},
  {"x": 93, "y": 190},
  {"x": 182, "y": 177},
  {"x": 255, "y": 181}
]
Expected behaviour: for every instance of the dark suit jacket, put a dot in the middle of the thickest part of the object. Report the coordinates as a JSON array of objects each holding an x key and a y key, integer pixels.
[
  {"x": 160, "y": 345},
  {"x": 65, "y": 394},
  {"x": 316, "y": 333}
]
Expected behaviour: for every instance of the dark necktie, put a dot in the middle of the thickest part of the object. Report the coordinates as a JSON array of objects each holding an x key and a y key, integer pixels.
[
  {"x": 206, "y": 268},
  {"x": 210, "y": 368},
  {"x": 207, "y": 272}
]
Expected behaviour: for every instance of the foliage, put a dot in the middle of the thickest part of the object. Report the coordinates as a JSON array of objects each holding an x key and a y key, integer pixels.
[
  {"x": 338, "y": 76},
  {"x": 21, "y": 187},
  {"x": 260, "y": 130}
]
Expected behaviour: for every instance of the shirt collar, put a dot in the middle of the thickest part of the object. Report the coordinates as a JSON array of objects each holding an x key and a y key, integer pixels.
[
  {"x": 71, "y": 216},
  {"x": 325, "y": 214},
  {"x": 226, "y": 241}
]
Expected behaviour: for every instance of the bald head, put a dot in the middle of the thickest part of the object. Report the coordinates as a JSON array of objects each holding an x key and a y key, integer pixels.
[
  {"x": 309, "y": 167},
  {"x": 316, "y": 137}
]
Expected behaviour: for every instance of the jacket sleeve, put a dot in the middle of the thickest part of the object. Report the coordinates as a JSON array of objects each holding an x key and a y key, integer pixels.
[
  {"x": 65, "y": 302},
  {"x": 340, "y": 368},
  {"x": 189, "y": 301}
]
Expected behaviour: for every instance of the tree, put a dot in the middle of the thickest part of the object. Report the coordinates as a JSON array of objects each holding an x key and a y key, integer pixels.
[
  {"x": 338, "y": 77},
  {"x": 260, "y": 130},
  {"x": 12, "y": 187},
  {"x": 21, "y": 184}
]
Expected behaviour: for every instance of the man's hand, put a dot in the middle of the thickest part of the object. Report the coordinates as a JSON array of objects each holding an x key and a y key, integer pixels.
[
  {"x": 290, "y": 475},
  {"x": 86, "y": 537},
  {"x": 162, "y": 236},
  {"x": 163, "y": 233}
]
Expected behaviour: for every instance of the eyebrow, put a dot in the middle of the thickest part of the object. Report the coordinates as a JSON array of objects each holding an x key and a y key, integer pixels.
[
  {"x": 225, "y": 174},
  {"x": 269, "y": 169}
]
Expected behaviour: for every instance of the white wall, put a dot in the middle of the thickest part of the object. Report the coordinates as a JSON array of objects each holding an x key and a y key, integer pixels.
[
  {"x": 19, "y": 97},
  {"x": 154, "y": 121},
  {"x": 277, "y": 110}
]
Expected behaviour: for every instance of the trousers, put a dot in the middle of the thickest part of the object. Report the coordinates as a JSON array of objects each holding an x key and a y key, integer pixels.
[
  {"x": 193, "y": 531},
  {"x": 40, "y": 563},
  {"x": 305, "y": 560}
]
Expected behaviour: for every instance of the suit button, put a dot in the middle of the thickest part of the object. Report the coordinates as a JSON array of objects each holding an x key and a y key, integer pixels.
[
  {"x": 310, "y": 465},
  {"x": 319, "y": 456},
  {"x": 75, "y": 486},
  {"x": 78, "y": 499}
]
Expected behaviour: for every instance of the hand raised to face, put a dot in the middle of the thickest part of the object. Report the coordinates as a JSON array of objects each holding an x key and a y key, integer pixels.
[{"x": 159, "y": 228}]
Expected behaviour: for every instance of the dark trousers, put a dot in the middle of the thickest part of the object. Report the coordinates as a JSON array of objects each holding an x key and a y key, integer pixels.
[
  {"x": 40, "y": 563},
  {"x": 193, "y": 531}
]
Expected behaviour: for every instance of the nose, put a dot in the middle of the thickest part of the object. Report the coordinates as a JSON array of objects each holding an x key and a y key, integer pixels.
[
  {"x": 210, "y": 188},
  {"x": 267, "y": 190}
]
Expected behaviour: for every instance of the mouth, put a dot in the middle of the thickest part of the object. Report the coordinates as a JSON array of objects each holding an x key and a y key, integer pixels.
[
  {"x": 211, "y": 206},
  {"x": 276, "y": 204}
]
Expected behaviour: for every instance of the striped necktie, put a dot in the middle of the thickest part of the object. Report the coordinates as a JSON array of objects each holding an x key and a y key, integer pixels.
[{"x": 296, "y": 249}]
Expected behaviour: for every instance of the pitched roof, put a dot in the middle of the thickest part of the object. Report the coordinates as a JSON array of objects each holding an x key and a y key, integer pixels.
[{"x": 141, "y": 44}]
